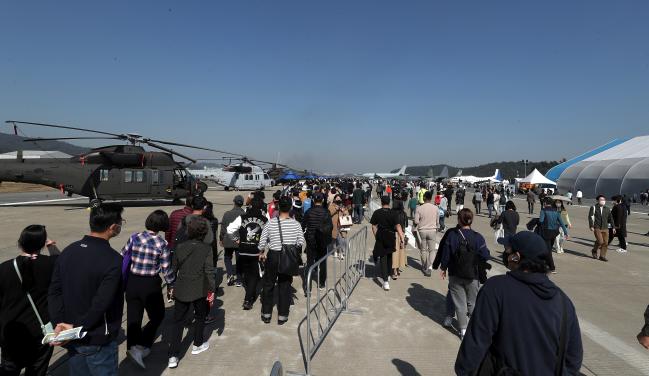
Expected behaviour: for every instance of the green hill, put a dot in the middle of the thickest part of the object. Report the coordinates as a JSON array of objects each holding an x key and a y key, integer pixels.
[{"x": 10, "y": 142}]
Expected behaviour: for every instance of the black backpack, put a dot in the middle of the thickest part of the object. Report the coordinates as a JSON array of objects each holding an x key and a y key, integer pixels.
[
  {"x": 464, "y": 260},
  {"x": 323, "y": 230}
]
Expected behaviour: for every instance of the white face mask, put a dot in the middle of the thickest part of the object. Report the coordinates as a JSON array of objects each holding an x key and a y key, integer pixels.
[{"x": 602, "y": 202}]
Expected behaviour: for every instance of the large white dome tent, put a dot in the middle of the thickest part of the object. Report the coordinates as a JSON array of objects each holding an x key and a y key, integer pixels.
[{"x": 619, "y": 167}]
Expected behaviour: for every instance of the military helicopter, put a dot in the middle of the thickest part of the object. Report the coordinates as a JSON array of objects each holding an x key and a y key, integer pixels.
[
  {"x": 245, "y": 175},
  {"x": 114, "y": 172}
]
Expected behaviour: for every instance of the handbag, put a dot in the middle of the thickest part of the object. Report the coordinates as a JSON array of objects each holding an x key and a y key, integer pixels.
[
  {"x": 345, "y": 220},
  {"x": 45, "y": 328},
  {"x": 289, "y": 257}
]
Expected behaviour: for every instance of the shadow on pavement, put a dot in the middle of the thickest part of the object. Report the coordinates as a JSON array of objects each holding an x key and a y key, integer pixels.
[{"x": 404, "y": 368}]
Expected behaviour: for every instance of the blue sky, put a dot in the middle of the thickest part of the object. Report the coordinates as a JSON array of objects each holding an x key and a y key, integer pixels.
[{"x": 336, "y": 85}]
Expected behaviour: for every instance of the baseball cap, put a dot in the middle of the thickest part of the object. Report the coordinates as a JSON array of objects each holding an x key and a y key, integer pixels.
[
  {"x": 238, "y": 199},
  {"x": 529, "y": 244},
  {"x": 318, "y": 197}
]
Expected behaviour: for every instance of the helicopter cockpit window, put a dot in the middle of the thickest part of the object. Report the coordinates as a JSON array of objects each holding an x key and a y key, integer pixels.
[
  {"x": 128, "y": 176},
  {"x": 103, "y": 175},
  {"x": 139, "y": 176},
  {"x": 266, "y": 177},
  {"x": 256, "y": 177}
]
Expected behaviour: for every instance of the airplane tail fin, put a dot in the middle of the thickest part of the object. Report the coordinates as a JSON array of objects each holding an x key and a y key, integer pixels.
[
  {"x": 497, "y": 176},
  {"x": 459, "y": 173},
  {"x": 402, "y": 171}
]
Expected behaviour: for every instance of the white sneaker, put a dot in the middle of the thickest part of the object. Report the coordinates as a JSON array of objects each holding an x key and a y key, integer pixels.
[
  {"x": 448, "y": 322},
  {"x": 173, "y": 362},
  {"x": 621, "y": 250},
  {"x": 145, "y": 350},
  {"x": 136, "y": 355},
  {"x": 199, "y": 349},
  {"x": 386, "y": 286}
]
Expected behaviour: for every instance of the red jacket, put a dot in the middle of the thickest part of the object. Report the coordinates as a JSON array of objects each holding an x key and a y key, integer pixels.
[{"x": 174, "y": 221}]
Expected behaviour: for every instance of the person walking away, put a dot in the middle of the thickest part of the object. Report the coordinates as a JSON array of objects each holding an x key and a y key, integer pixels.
[
  {"x": 399, "y": 255},
  {"x": 442, "y": 213},
  {"x": 550, "y": 222},
  {"x": 514, "y": 308},
  {"x": 338, "y": 211},
  {"x": 561, "y": 238},
  {"x": 192, "y": 264},
  {"x": 502, "y": 202},
  {"x": 317, "y": 226},
  {"x": 477, "y": 201},
  {"x": 459, "y": 199},
  {"x": 20, "y": 319},
  {"x": 307, "y": 203},
  {"x": 384, "y": 227},
  {"x": 231, "y": 248},
  {"x": 463, "y": 251},
  {"x": 421, "y": 193},
  {"x": 149, "y": 256},
  {"x": 510, "y": 219},
  {"x": 626, "y": 200},
  {"x": 491, "y": 202},
  {"x": 412, "y": 205},
  {"x": 619, "y": 215},
  {"x": 175, "y": 219},
  {"x": 427, "y": 222},
  {"x": 580, "y": 195},
  {"x": 283, "y": 230},
  {"x": 599, "y": 220},
  {"x": 86, "y": 291},
  {"x": 245, "y": 231},
  {"x": 358, "y": 200},
  {"x": 531, "y": 200}
]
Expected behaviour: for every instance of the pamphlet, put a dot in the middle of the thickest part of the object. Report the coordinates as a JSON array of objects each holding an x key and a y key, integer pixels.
[{"x": 66, "y": 335}]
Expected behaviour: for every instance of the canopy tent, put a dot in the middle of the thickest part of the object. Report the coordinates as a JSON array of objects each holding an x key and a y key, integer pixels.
[
  {"x": 289, "y": 175},
  {"x": 536, "y": 177}
]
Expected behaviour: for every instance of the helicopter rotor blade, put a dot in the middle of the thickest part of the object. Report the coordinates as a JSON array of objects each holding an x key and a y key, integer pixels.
[
  {"x": 14, "y": 122},
  {"x": 194, "y": 147},
  {"x": 169, "y": 151},
  {"x": 70, "y": 138}
]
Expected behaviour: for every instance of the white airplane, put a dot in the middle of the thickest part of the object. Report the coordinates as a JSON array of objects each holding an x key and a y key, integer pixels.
[
  {"x": 495, "y": 178},
  {"x": 387, "y": 175}
]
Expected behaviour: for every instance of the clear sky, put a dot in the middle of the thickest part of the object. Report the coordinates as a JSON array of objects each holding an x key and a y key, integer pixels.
[{"x": 340, "y": 86}]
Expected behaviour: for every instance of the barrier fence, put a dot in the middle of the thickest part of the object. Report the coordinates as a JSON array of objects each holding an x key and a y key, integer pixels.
[{"x": 323, "y": 307}]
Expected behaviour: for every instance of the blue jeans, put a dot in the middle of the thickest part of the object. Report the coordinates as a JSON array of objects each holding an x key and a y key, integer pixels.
[
  {"x": 491, "y": 209},
  {"x": 358, "y": 213},
  {"x": 93, "y": 360}
]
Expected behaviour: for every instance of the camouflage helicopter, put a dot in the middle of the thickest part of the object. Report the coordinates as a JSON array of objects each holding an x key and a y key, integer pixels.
[{"x": 114, "y": 172}]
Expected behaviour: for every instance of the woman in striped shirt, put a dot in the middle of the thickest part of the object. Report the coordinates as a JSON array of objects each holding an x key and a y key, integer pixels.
[
  {"x": 271, "y": 246},
  {"x": 150, "y": 256}
]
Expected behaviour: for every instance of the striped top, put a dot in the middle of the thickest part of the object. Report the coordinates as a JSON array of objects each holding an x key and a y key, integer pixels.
[{"x": 291, "y": 231}]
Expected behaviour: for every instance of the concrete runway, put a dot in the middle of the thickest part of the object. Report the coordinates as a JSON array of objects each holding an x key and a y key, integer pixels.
[{"x": 398, "y": 332}]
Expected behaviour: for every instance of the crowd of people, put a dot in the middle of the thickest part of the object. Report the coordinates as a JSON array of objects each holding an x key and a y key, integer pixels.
[{"x": 87, "y": 284}]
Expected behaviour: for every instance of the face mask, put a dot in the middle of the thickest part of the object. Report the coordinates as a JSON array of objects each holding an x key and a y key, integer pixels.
[
  {"x": 558, "y": 205},
  {"x": 602, "y": 202}
]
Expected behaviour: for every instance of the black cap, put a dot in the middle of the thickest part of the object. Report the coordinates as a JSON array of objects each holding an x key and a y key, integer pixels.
[
  {"x": 529, "y": 244},
  {"x": 318, "y": 197},
  {"x": 238, "y": 199}
]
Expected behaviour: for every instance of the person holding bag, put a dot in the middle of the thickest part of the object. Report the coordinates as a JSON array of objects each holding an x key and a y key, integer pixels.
[
  {"x": 24, "y": 319},
  {"x": 194, "y": 268},
  {"x": 281, "y": 245}
]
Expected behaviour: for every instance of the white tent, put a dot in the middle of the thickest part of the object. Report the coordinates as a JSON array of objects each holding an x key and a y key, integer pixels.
[{"x": 536, "y": 178}]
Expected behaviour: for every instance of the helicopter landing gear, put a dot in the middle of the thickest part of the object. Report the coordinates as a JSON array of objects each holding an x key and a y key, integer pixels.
[
  {"x": 95, "y": 203},
  {"x": 69, "y": 193},
  {"x": 176, "y": 201},
  {"x": 226, "y": 188}
]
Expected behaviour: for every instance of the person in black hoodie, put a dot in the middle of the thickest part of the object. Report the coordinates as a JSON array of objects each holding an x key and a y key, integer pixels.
[
  {"x": 522, "y": 320},
  {"x": 86, "y": 291},
  {"x": 20, "y": 328}
]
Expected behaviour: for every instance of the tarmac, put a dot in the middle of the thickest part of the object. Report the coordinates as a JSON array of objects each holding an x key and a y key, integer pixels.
[{"x": 398, "y": 332}]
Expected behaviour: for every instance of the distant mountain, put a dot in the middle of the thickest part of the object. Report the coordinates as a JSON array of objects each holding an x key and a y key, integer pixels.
[
  {"x": 9, "y": 142},
  {"x": 509, "y": 170}
]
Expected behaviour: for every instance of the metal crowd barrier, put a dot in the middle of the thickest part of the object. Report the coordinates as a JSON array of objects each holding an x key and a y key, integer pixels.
[{"x": 322, "y": 313}]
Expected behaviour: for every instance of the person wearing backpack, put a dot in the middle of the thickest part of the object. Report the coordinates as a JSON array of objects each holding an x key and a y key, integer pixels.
[
  {"x": 502, "y": 201},
  {"x": 462, "y": 253},
  {"x": 318, "y": 227},
  {"x": 524, "y": 324},
  {"x": 20, "y": 318},
  {"x": 550, "y": 222},
  {"x": 231, "y": 248},
  {"x": 385, "y": 225}
]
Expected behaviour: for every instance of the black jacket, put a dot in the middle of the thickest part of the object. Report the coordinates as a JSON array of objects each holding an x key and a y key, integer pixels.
[
  {"x": 518, "y": 317},
  {"x": 86, "y": 290},
  {"x": 619, "y": 215},
  {"x": 311, "y": 221}
]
